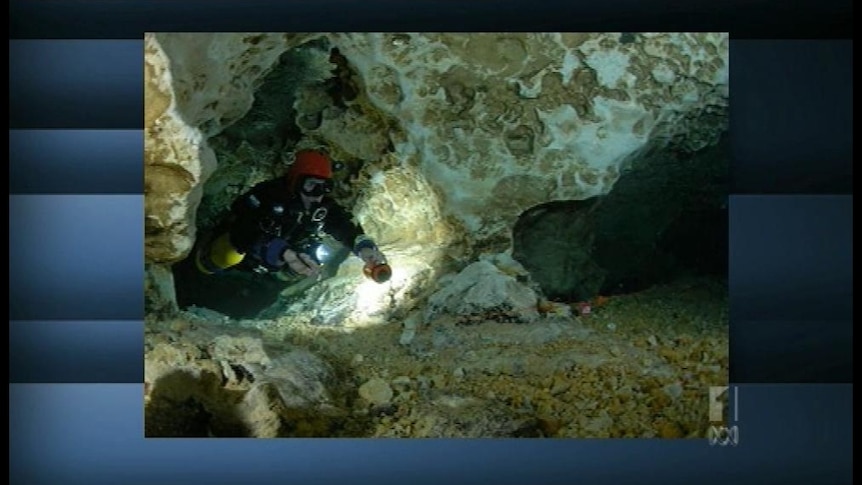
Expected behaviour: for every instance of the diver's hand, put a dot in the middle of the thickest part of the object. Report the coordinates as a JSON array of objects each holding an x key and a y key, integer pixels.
[
  {"x": 376, "y": 268},
  {"x": 300, "y": 263},
  {"x": 371, "y": 256}
]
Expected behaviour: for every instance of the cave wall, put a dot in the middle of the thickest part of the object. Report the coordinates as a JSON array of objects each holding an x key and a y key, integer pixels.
[
  {"x": 503, "y": 122},
  {"x": 194, "y": 86}
]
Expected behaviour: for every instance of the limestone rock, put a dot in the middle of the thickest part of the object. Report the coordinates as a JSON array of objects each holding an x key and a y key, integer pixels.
[
  {"x": 571, "y": 108},
  {"x": 195, "y": 85},
  {"x": 376, "y": 391},
  {"x": 159, "y": 292},
  {"x": 480, "y": 289},
  {"x": 451, "y": 416}
]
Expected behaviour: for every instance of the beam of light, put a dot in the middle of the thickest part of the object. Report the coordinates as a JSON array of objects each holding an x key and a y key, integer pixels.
[{"x": 375, "y": 298}]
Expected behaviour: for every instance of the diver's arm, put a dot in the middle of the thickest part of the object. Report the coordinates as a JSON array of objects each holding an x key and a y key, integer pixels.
[{"x": 340, "y": 225}]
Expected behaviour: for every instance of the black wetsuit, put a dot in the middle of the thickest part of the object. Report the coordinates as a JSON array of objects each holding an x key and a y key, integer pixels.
[{"x": 267, "y": 219}]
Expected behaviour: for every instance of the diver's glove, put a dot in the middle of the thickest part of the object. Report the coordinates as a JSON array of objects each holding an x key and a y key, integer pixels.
[
  {"x": 277, "y": 254},
  {"x": 376, "y": 267},
  {"x": 300, "y": 263}
]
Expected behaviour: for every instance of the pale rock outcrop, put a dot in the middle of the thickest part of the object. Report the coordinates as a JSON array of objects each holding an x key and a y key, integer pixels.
[
  {"x": 487, "y": 291},
  {"x": 244, "y": 388}
]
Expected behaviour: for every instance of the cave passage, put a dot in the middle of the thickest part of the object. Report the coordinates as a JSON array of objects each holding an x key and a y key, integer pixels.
[
  {"x": 258, "y": 142},
  {"x": 665, "y": 219}
]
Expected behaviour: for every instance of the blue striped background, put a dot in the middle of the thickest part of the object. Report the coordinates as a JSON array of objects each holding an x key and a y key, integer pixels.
[
  {"x": 76, "y": 254},
  {"x": 91, "y": 433}
]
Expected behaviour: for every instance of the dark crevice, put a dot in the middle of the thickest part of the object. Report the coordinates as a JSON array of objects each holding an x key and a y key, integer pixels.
[{"x": 665, "y": 219}]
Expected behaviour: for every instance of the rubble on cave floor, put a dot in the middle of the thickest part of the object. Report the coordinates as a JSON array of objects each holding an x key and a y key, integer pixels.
[{"x": 639, "y": 365}]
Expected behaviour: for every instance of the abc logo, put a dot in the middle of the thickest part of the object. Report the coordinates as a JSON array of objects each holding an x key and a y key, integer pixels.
[{"x": 723, "y": 435}]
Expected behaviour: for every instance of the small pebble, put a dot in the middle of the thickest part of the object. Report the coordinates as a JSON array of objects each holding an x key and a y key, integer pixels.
[{"x": 376, "y": 391}]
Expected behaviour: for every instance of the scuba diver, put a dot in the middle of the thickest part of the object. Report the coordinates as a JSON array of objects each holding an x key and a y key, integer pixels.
[{"x": 276, "y": 227}]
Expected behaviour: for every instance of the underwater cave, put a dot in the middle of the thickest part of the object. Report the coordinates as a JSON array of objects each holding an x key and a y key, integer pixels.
[
  {"x": 452, "y": 351},
  {"x": 665, "y": 219},
  {"x": 259, "y": 147}
]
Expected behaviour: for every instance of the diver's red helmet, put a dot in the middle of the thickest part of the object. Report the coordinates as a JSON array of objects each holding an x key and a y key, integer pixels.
[{"x": 308, "y": 163}]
